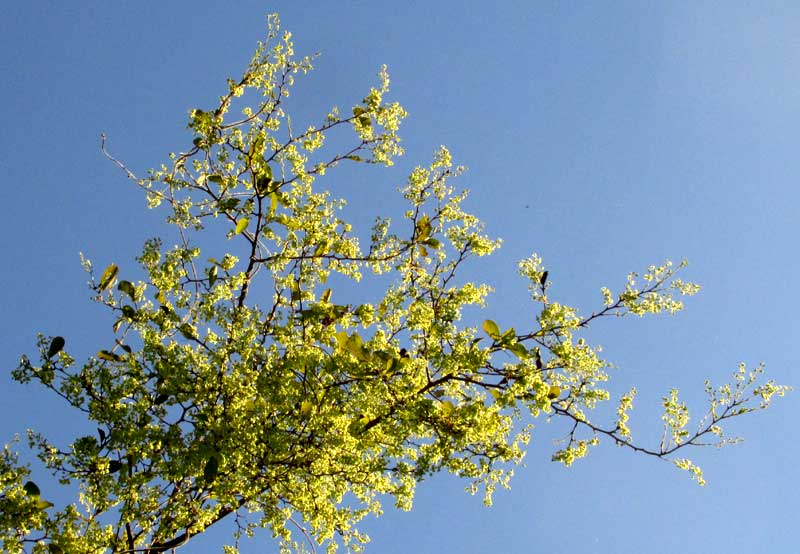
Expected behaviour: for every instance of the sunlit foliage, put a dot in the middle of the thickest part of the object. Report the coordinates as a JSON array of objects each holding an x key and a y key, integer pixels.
[{"x": 290, "y": 408}]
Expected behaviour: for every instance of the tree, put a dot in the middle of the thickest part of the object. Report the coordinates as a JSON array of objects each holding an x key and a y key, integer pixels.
[{"x": 242, "y": 383}]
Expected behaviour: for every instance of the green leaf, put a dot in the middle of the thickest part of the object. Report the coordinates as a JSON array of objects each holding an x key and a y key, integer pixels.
[
  {"x": 212, "y": 275},
  {"x": 54, "y": 549},
  {"x": 306, "y": 407},
  {"x": 309, "y": 314},
  {"x": 447, "y": 408},
  {"x": 508, "y": 335},
  {"x": 262, "y": 184},
  {"x": 543, "y": 278},
  {"x": 433, "y": 243},
  {"x": 187, "y": 331},
  {"x": 108, "y": 277},
  {"x": 355, "y": 345},
  {"x": 128, "y": 311},
  {"x": 273, "y": 202},
  {"x": 43, "y": 504},
  {"x": 257, "y": 146},
  {"x": 241, "y": 225},
  {"x": 519, "y": 350},
  {"x": 341, "y": 339},
  {"x": 31, "y": 489},
  {"x": 228, "y": 204},
  {"x": 109, "y": 356},
  {"x": 114, "y": 466},
  {"x": 491, "y": 329},
  {"x": 128, "y": 288},
  {"x": 282, "y": 198},
  {"x": 326, "y": 296},
  {"x": 215, "y": 178},
  {"x": 356, "y": 427},
  {"x": 211, "y": 469},
  {"x": 424, "y": 228},
  {"x": 56, "y": 345}
]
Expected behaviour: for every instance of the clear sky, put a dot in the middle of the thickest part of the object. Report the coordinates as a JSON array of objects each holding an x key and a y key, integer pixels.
[{"x": 604, "y": 136}]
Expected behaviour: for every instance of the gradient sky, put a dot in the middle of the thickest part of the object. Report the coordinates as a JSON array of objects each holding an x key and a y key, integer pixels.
[{"x": 604, "y": 138}]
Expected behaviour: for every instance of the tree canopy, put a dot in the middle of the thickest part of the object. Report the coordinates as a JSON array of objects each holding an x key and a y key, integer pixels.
[{"x": 238, "y": 387}]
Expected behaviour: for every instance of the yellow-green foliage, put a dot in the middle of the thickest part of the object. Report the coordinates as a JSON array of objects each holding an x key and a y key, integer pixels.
[{"x": 291, "y": 408}]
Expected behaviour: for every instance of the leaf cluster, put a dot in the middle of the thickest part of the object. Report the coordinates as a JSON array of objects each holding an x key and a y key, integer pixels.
[{"x": 235, "y": 388}]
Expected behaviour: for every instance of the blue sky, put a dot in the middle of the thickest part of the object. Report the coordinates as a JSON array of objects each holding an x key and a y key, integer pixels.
[{"x": 605, "y": 138}]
